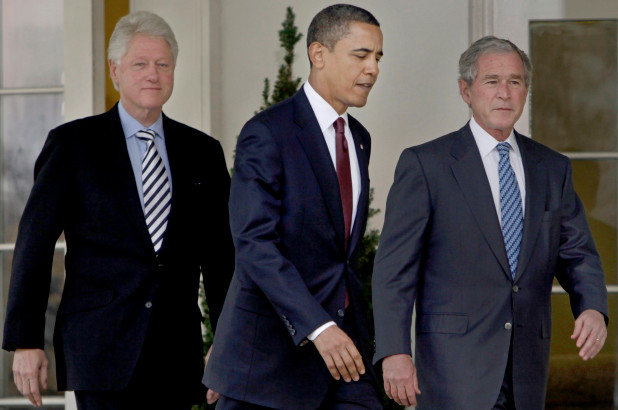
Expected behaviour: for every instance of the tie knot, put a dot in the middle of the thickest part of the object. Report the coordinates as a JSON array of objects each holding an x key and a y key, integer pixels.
[
  {"x": 339, "y": 126},
  {"x": 146, "y": 134},
  {"x": 503, "y": 148}
]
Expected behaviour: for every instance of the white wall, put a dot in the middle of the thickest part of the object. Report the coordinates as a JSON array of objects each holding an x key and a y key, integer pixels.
[
  {"x": 190, "y": 101},
  {"x": 416, "y": 97},
  {"x": 228, "y": 47}
]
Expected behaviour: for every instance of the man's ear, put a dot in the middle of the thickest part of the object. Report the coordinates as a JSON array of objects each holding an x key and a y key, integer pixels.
[
  {"x": 316, "y": 54},
  {"x": 112, "y": 70},
  {"x": 464, "y": 90}
]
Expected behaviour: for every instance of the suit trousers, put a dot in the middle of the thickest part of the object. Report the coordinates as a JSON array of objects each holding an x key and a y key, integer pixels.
[
  {"x": 362, "y": 394},
  {"x": 158, "y": 380},
  {"x": 506, "y": 399}
]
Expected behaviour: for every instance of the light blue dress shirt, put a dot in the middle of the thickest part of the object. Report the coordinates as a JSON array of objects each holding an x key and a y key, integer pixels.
[{"x": 137, "y": 147}]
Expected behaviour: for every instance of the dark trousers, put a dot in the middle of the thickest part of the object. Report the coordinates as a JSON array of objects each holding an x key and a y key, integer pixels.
[
  {"x": 506, "y": 400},
  {"x": 127, "y": 400},
  {"x": 158, "y": 381},
  {"x": 362, "y": 394}
]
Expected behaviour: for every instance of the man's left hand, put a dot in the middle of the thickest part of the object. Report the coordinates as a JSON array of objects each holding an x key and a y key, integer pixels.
[{"x": 590, "y": 332}]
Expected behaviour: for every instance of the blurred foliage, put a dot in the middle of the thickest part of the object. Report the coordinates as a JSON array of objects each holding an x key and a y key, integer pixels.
[{"x": 285, "y": 86}]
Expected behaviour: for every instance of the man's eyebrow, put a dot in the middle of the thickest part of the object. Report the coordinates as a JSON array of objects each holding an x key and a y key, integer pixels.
[
  {"x": 367, "y": 50},
  {"x": 491, "y": 76}
]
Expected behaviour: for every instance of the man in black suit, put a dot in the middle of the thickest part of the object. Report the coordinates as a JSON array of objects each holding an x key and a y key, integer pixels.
[
  {"x": 128, "y": 329},
  {"x": 292, "y": 333},
  {"x": 478, "y": 223}
]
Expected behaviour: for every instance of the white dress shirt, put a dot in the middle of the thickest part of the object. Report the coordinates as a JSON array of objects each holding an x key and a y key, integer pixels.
[{"x": 491, "y": 157}]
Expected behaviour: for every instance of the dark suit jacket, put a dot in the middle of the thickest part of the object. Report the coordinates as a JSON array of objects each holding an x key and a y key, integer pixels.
[
  {"x": 116, "y": 287},
  {"x": 442, "y": 247},
  {"x": 291, "y": 264}
]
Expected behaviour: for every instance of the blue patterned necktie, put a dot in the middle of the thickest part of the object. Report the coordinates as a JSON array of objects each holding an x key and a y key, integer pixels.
[
  {"x": 156, "y": 188},
  {"x": 510, "y": 207}
]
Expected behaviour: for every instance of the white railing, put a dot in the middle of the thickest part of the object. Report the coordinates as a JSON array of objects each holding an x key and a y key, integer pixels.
[{"x": 68, "y": 401}]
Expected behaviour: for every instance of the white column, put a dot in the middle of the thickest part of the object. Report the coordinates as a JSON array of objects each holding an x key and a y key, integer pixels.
[
  {"x": 84, "y": 75},
  {"x": 481, "y": 19},
  {"x": 189, "y": 19}
]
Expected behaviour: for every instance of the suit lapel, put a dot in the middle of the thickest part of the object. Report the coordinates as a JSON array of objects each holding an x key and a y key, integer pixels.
[
  {"x": 472, "y": 179},
  {"x": 121, "y": 172},
  {"x": 311, "y": 139},
  {"x": 536, "y": 177}
]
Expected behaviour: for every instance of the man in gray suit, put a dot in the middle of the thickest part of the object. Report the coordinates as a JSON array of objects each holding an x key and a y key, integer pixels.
[{"x": 478, "y": 224}]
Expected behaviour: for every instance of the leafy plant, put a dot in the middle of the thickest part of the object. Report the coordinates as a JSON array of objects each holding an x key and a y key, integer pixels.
[{"x": 285, "y": 86}]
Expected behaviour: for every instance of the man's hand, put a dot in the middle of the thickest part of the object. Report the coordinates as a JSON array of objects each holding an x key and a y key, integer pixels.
[
  {"x": 340, "y": 354},
  {"x": 211, "y": 396},
  {"x": 400, "y": 381},
  {"x": 30, "y": 369},
  {"x": 590, "y": 332}
]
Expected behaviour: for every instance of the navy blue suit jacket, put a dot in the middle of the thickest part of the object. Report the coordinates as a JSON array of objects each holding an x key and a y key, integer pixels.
[
  {"x": 291, "y": 263},
  {"x": 119, "y": 295},
  {"x": 442, "y": 248}
]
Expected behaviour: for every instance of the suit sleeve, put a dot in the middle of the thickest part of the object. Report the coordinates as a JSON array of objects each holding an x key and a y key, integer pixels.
[
  {"x": 398, "y": 261},
  {"x": 39, "y": 229},
  {"x": 255, "y": 212},
  {"x": 579, "y": 269},
  {"x": 218, "y": 263}
]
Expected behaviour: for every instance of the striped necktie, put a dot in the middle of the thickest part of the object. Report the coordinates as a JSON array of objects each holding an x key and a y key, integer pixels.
[
  {"x": 510, "y": 207},
  {"x": 156, "y": 189}
]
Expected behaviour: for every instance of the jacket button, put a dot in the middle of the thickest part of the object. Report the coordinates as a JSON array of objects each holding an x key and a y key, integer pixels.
[
  {"x": 148, "y": 305},
  {"x": 341, "y": 313},
  {"x": 292, "y": 332},
  {"x": 508, "y": 325},
  {"x": 515, "y": 288}
]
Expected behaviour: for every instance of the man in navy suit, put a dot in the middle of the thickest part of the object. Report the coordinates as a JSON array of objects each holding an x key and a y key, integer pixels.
[
  {"x": 293, "y": 332},
  {"x": 128, "y": 329},
  {"x": 478, "y": 223}
]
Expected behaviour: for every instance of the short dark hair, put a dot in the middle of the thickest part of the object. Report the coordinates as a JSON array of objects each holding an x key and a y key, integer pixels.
[
  {"x": 333, "y": 23},
  {"x": 468, "y": 62}
]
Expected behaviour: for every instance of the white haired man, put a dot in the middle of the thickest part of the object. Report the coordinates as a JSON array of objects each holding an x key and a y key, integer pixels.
[{"x": 142, "y": 201}]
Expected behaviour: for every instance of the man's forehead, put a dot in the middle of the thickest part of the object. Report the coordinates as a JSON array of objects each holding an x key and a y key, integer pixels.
[{"x": 361, "y": 39}]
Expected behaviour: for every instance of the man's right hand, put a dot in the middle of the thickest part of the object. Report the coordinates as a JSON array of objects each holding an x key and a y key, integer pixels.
[
  {"x": 340, "y": 354},
  {"x": 400, "y": 381},
  {"x": 30, "y": 369}
]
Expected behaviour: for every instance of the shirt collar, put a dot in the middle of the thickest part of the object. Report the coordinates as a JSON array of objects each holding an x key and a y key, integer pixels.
[
  {"x": 130, "y": 125},
  {"x": 323, "y": 111},
  {"x": 485, "y": 142}
]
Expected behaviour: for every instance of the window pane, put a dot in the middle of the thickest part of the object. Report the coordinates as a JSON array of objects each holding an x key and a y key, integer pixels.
[
  {"x": 24, "y": 124},
  {"x": 573, "y": 92},
  {"x": 32, "y": 43},
  {"x": 596, "y": 183},
  {"x": 7, "y": 386}
]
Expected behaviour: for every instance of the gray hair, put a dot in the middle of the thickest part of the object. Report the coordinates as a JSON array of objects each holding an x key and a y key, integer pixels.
[
  {"x": 468, "y": 62},
  {"x": 333, "y": 23},
  {"x": 139, "y": 22}
]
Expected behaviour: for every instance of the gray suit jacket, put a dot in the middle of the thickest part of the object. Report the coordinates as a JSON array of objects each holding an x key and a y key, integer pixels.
[{"x": 442, "y": 248}]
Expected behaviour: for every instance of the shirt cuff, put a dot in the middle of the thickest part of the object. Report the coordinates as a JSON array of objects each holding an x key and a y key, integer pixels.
[{"x": 319, "y": 330}]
